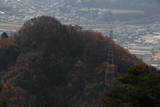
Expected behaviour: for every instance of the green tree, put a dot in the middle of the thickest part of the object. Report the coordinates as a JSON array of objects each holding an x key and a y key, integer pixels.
[
  {"x": 138, "y": 88},
  {"x": 4, "y": 35}
]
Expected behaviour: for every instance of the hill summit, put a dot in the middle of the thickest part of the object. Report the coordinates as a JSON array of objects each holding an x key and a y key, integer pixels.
[{"x": 59, "y": 65}]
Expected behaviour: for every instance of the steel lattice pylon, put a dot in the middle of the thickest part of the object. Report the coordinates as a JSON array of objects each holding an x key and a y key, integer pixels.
[{"x": 111, "y": 69}]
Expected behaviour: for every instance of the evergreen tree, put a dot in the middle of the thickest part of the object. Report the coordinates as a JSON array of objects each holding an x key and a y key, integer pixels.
[
  {"x": 4, "y": 35},
  {"x": 139, "y": 88}
]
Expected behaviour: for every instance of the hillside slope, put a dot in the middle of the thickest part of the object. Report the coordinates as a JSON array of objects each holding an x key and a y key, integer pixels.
[{"x": 60, "y": 66}]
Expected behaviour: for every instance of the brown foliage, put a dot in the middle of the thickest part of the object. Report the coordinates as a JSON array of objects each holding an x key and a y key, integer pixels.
[
  {"x": 7, "y": 42},
  {"x": 8, "y": 53},
  {"x": 59, "y": 64}
]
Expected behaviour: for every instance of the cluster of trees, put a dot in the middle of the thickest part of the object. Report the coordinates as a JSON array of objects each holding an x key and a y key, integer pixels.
[
  {"x": 8, "y": 53},
  {"x": 138, "y": 88},
  {"x": 4, "y": 35},
  {"x": 50, "y": 64}
]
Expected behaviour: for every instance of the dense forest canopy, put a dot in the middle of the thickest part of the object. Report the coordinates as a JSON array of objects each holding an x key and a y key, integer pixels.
[
  {"x": 139, "y": 88},
  {"x": 51, "y": 64}
]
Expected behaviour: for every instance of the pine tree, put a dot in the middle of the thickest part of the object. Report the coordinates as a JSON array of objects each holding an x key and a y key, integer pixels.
[{"x": 138, "y": 88}]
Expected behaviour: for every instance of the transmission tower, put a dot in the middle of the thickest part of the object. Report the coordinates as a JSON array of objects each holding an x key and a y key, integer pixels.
[{"x": 111, "y": 69}]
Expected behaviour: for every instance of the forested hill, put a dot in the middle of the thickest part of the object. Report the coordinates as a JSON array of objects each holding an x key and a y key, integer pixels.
[{"x": 53, "y": 65}]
